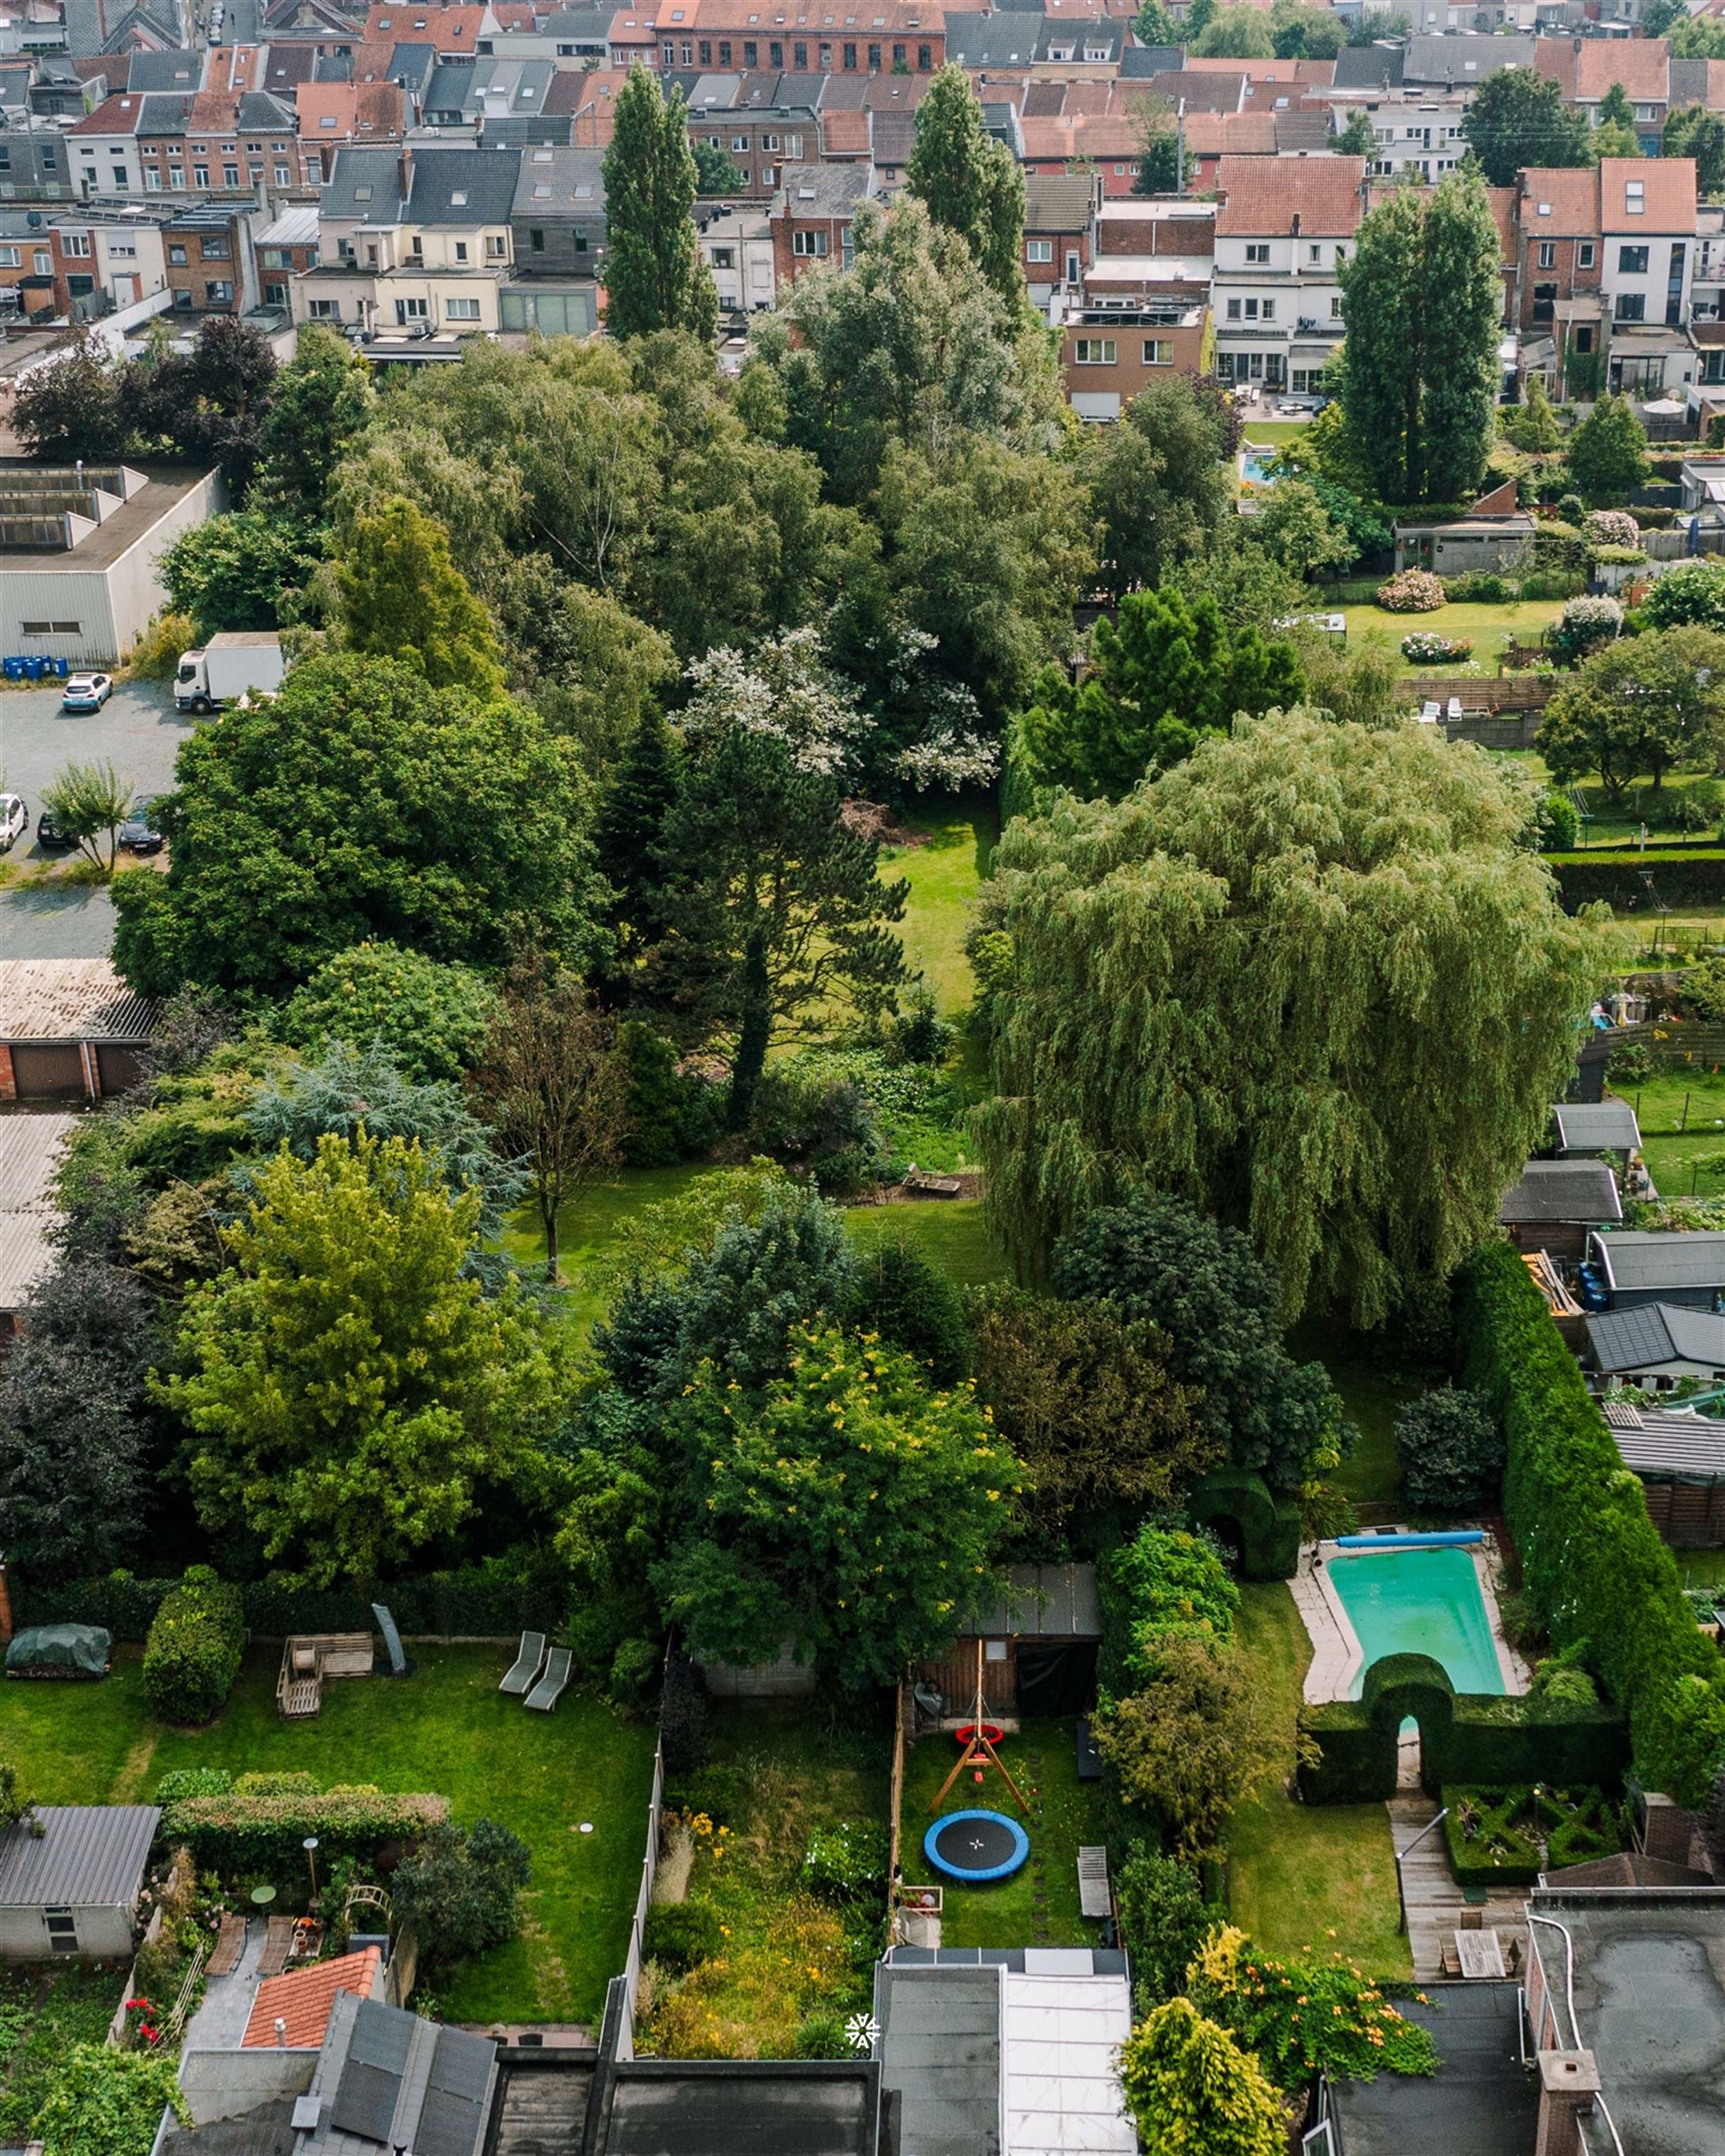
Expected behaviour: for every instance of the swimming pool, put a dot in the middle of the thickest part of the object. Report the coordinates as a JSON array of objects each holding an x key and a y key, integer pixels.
[
  {"x": 1254, "y": 464},
  {"x": 1419, "y": 1601}
]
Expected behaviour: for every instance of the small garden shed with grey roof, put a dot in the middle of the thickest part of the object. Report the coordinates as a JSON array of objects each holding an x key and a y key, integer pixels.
[
  {"x": 1039, "y": 1643},
  {"x": 70, "y": 1879}
]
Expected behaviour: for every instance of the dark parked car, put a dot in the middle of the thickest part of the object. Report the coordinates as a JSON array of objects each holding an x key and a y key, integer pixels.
[
  {"x": 50, "y": 834},
  {"x": 139, "y": 833}
]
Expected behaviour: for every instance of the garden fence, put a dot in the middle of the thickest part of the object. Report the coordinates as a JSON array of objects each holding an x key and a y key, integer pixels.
[{"x": 637, "y": 1924}]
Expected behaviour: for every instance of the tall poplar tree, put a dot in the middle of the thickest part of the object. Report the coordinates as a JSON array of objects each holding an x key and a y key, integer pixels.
[
  {"x": 1422, "y": 299},
  {"x": 654, "y": 276},
  {"x": 968, "y": 182}
]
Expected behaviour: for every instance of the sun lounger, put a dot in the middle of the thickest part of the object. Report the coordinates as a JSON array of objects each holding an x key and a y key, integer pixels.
[
  {"x": 527, "y": 1665},
  {"x": 1429, "y": 712},
  {"x": 550, "y": 1688}
]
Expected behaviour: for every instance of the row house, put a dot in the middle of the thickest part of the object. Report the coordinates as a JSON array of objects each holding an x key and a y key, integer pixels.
[
  {"x": 737, "y": 244},
  {"x": 1161, "y": 248},
  {"x": 1424, "y": 140},
  {"x": 454, "y": 31},
  {"x": 1607, "y": 260},
  {"x": 211, "y": 258},
  {"x": 1283, "y": 228},
  {"x": 338, "y": 116},
  {"x": 213, "y": 142},
  {"x": 811, "y": 219},
  {"x": 888, "y": 36},
  {"x": 505, "y": 101},
  {"x": 35, "y": 165},
  {"x": 413, "y": 242},
  {"x": 1585, "y": 69},
  {"x": 101, "y": 261},
  {"x": 763, "y": 129},
  {"x": 286, "y": 249},
  {"x": 1050, "y": 46},
  {"x": 1109, "y": 354},
  {"x": 557, "y": 219},
  {"x": 1058, "y": 218}
]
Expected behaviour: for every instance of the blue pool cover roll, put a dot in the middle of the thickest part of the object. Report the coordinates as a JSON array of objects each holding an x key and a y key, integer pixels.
[{"x": 1448, "y": 1539}]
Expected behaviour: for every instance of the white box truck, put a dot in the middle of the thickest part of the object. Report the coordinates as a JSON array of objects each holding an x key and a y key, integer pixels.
[{"x": 226, "y": 667}]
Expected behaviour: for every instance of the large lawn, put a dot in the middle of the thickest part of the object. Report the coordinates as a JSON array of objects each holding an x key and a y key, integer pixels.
[
  {"x": 1372, "y": 1476},
  {"x": 1489, "y": 627},
  {"x": 444, "y": 1728},
  {"x": 945, "y": 874},
  {"x": 1682, "y": 1113},
  {"x": 1039, "y": 1905},
  {"x": 1306, "y": 1876}
]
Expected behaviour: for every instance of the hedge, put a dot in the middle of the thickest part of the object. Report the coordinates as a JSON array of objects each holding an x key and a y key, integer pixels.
[
  {"x": 490, "y": 1600},
  {"x": 1687, "y": 876},
  {"x": 1477, "y": 1738},
  {"x": 1576, "y": 1829},
  {"x": 192, "y": 1654},
  {"x": 1591, "y": 1559},
  {"x": 243, "y": 1834},
  {"x": 1269, "y": 1528}
]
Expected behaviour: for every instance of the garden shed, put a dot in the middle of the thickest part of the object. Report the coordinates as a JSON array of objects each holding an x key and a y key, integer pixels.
[
  {"x": 1555, "y": 1203},
  {"x": 1679, "y": 1460},
  {"x": 1635, "y": 1267},
  {"x": 1592, "y": 1127},
  {"x": 69, "y": 1029},
  {"x": 70, "y": 1877},
  {"x": 1464, "y": 545},
  {"x": 1657, "y": 1344},
  {"x": 1039, "y": 1645}
]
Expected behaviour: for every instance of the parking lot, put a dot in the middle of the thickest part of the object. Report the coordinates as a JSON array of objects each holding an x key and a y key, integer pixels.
[{"x": 138, "y": 730}]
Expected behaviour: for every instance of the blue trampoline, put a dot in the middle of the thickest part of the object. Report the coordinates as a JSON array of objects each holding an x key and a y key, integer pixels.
[{"x": 975, "y": 1846}]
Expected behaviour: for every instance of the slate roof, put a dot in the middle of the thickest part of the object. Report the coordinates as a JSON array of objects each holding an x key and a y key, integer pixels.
[
  {"x": 821, "y": 190},
  {"x": 1637, "y": 1259},
  {"x": 1596, "y": 1126},
  {"x": 1656, "y": 1334},
  {"x": 486, "y": 178},
  {"x": 1369, "y": 66},
  {"x": 1138, "y": 61},
  {"x": 1463, "y": 61},
  {"x": 165, "y": 71},
  {"x": 91, "y": 1856},
  {"x": 993, "y": 41},
  {"x": 1561, "y": 1191},
  {"x": 561, "y": 179}
]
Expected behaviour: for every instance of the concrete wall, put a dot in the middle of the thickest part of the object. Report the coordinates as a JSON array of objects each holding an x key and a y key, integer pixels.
[
  {"x": 218, "y": 2085},
  {"x": 783, "y": 1679},
  {"x": 103, "y": 1935}
]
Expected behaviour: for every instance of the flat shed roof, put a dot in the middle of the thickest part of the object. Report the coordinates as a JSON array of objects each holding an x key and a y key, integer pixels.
[
  {"x": 62, "y": 999},
  {"x": 1046, "y": 1602},
  {"x": 1596, "y": 1126}
]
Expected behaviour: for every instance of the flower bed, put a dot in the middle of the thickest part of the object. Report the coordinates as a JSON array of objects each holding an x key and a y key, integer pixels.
[
  {"x": 1426, "y": 648},
  {"x": 1411, "y": 591},
  {"x": 1508, "y": 1837}
]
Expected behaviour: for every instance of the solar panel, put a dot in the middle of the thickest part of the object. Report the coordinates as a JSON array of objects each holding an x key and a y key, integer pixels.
[
  {"x": 383, "y": 2036},
  {"x": 461, "y": 2065},
  {"x": 365, "y": 2103},
  {"x": 449, "y": 2126}
]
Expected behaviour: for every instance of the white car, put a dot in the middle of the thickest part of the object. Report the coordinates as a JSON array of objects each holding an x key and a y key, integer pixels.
[
  {"x": 15, "y": 820},
  {"x": 86, "y": 692}
]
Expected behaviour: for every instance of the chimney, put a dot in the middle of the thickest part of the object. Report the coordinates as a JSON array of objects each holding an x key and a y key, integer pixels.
[
  {"x": 404, "y": 171},
  {"x": 1568, "y": 2082},
  {"x": 281, "y": 2034}
]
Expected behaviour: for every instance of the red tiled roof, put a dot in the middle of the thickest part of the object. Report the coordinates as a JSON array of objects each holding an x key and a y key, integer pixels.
[
  {"x": 1264, "y": 195},
  {"x": 1091, "y": 135},
  {"x": 304, "y": 1998},
  {"x": 1668, "y": 193},
  {"x": 1559, "y": 204},
  {"x": 450, "y": 29},
  {"x": 1238, "y": 134},
  {"x": 1641, "y": 65},
  {"x": 373, "y": 110},
  {"x": 844, "y": 134},
  {"x": 1558, "y": 58},
  {"x": 114, "y": 115}
]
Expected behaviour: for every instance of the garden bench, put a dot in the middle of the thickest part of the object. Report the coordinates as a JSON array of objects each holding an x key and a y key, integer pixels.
[
  {"x": 524, "y": 1671},
  {"x": 550, "y": 1688}
]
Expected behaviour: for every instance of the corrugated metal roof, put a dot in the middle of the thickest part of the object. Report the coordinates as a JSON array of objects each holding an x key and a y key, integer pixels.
[
  {"x": 1637, "y": 1258},
  {"x": 29, "y": 1151},
  {"x": 1048, "y": 1602},
  {"x": 1596, "y": 1126},
  {"x": 69, "y": 999},
  {"x": 91, "y": 1856},
  {"x": 1562, "y": 1190},
  {"x": 1687, "y": 1446}
]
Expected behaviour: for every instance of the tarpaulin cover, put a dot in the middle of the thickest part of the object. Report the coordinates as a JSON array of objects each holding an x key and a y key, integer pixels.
[{"x": 78, "y": 1649}]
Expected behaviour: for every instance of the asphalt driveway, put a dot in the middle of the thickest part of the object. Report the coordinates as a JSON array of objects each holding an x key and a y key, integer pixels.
[{"x": 140, "y": 731}]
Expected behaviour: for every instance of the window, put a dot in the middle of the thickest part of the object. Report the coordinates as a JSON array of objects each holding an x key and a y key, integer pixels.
[
  {"x": 688, "y": 52},
  {"x": 851, "y": 57},
  {"x": 1635, "y": 198},
  {"x": 10, "y": 258},
  {"x": 1158, "y": 351},
  {"x": 176, "y": 255},
  {"x": 182, "y": 299},
  {"x": 724, "y": 51},
  {"x": 176, "y": 176},
  {"x": 1314, "y": 253},
  {"x": 1632, "y": 261},
  {"x": 462, "y": 311},
  {"x": 799, "y": 56},
  {"x": 50, "y": 160},
  {"x": 925, "y": 58},
  {"x": 216, "y": 247},
  {"x": 200, "y": 175},
  {"x": 496, "y": 246},
  {"x": 1335, "y": 307},
  {"x": 1094, "y": 352},
  {"x": 460, "y": 250},
  {"x": 217, "y": 292},
  {"x": 326, "y": 311},
  {"x": 826, "y": 58},
  {"x": 230, "y": 176},
  {"x": 1270, "y": 310},
  {"x": 62, "y": 1929},
  {"x": 275, "y": 295},
  {"x": 707, "y": 51},
  {"x": 1548, "y": 254},
  {"x": 411, "y": 311},
  {"x": 43, "y": 262},
  {"x": 874, "y": 59},
  {"x": 810, "y": 242},
  {"x": 901, "y": 57},
  {"x": 794, "y": 146},
  {"x": 1257, "y": 250},
  {"x": 74, "y": 242},
  {"x": 80, "y": 288},
  {"x": 770, "y": 142},
  {"x": 724, "y": 258},
  {"x": 1632, "y": 306},
  {"x": 670, "y": 56},
  {"x": 580, "y": 240},
  {"x": 751, "y": 53},
  {"x": 1234, "y": 310},
  {"x": 739, "y": 145},
  {"x": 1039, "y": 251},
  {"x": 535, "y": 238},
  {"x": 775, "y": 54},
  {"x": 1586, "y": 255}
]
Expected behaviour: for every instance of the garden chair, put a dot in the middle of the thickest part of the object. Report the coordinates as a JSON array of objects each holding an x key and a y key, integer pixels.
[
  {"x": 1455, "y": 710},
  {"x": 526, "y": 1665},
  {"x": 1429, "y": 712},
  {"x": 550, "y": 1688}
]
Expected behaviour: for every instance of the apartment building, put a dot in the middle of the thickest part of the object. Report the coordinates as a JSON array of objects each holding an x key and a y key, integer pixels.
[
  {"x": 1109, "y": 354},
  {"x": 890, "y": 35},
  {"x": 1282, "y": 227},
  {"x": 101, "y": 261},
  {"x": 761, "y": 123},
  {"x": 203, "y": 143},
  {"x": 811, "y": 219},
  {"x": 414, "y": 241},
  {"x": 1058, "y": 218}
]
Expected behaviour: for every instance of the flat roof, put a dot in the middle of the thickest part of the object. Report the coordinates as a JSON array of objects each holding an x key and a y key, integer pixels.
[
  {"x": 939, "y": 2050},
  {"x": 1650, "y": 2003},
  {"x": 1046, "y": 1602},
  {"x": 741, "y": 2108},
  {"x": 1482, "y": 2102},
  {"x": 89, "y": 1856}
]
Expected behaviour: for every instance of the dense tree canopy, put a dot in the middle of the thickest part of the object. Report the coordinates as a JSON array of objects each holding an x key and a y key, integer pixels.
[
  {"x": 968, "y": 182},
  {"x": 1518, "y": 118},
  {"x": 360, "y": 803},
  {"x": 402, "y": 597},
  {"x": 1638, "y": 707},
  {"x": 1308, "y": 980},
  {"x": 655, "y": 276},
  {"x": 1157, "y": 482}
]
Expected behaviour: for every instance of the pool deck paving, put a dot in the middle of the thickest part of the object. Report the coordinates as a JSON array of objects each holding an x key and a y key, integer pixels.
[{"x": 1336, "y": 1650}]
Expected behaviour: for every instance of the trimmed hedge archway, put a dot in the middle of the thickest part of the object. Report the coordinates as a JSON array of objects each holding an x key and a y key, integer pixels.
[{"x": 1266, "y": 1528}]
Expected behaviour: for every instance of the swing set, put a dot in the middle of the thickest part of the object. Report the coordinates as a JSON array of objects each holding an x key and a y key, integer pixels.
[{"x": 979, "y": 1752}]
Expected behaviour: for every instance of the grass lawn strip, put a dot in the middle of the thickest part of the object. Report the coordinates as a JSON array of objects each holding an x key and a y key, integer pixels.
[
  {"x": 44, "y": 2012},
  {"x": 1489, "y": 626},
  {"x": 1306, "y": 1878},
  {"x": 1039, "y": 1905},
  {"x": 446, "y": 1728},
  {"x": 944, "y": 875}
]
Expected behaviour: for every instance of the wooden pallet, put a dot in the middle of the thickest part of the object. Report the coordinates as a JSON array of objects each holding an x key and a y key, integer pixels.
[
  {"x": 300, "y": 1696},
  {"x": 1093, "y": 1897}
]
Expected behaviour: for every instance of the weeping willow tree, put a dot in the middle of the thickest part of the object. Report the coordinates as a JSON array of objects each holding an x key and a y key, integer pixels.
[{"x": 1311, "y": 980}]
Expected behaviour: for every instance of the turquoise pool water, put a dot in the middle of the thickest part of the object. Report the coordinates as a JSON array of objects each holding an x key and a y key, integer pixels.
[
  {"x": 1420, "y": 1602},
  {"x": 1255, "y": 466}
]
